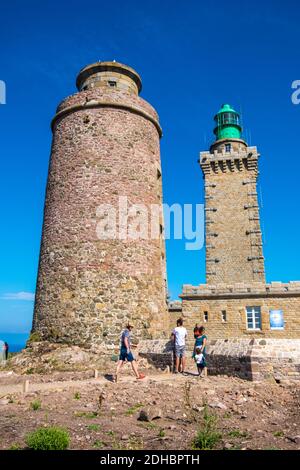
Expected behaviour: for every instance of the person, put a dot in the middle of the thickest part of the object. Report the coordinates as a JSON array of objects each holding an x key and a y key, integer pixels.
[
  {"x": 126, "y": 354},
  {"x": 6, "y": 349},
  {"x": 200, "y": 342},
  {"x": 179, "y": 335},
  {"x": 199, "y": 359},
  {"x": 196, "y": 330}
]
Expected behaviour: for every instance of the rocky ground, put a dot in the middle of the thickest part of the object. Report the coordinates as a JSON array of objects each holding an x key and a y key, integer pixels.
[{"x": 163, "y": 411}]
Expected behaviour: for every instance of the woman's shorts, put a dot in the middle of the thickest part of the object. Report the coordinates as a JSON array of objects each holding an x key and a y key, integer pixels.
[{"x": 125, "y": 356}]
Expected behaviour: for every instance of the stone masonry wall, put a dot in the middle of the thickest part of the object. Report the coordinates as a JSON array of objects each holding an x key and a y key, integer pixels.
[
  {"x": 234, "y": 299},
  {"x": 255, "y": 359},
  {"x": 232, "y": 226},
  {"x": 247, "y": 358}
]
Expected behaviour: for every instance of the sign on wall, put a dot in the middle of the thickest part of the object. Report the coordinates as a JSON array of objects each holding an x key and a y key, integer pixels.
[{"x": 276, "y": 320}]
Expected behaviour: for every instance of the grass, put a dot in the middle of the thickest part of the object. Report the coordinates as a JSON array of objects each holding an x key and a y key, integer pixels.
[
  {"x": 161, "y": 433},
  {"x": 77, "y": 396},
  {"x": 278, "y": 434},
  {"x": 84, "y": 414},
  {"x": 207, "y": 436},
  {"x": 133, "y": 409},
  {"x": 93, "y": 427},
  {"x": 237, "y": 433},
  {"x": 147, "y": 425},
  {"x": 15, "y": 447},
  {"x": 52, "y": 438},
  {"x": 35, "y": 405},
  {"x": 98, "y": 444}
]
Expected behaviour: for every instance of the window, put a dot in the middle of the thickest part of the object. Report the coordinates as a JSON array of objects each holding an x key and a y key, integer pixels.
[
  {"x": 112, "y": 83},
  {"x": 253, "y": 318},
  {"x": 205, "y": 316},
  {"x": 224, "y": 316},
  {"x": 227, "y": 147}
]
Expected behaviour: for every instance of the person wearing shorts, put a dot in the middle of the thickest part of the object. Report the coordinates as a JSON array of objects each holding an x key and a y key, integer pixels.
[
  {"x": 179, "y": 335},
  {"x": 126, "y": 354}
]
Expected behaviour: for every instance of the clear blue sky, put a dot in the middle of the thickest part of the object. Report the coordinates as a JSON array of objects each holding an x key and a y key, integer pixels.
[{"x": 192, "y": 56}]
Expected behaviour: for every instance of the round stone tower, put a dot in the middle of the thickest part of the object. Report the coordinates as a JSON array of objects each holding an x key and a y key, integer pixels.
[{"x": 102, "y": 259}]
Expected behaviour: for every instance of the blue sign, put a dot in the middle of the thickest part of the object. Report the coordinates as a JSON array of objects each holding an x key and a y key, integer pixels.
[{"x": 276, "y": 320}]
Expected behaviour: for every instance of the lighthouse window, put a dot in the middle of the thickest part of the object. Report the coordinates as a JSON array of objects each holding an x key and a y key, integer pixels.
[
  {"x": 227, "y": 147},
  {"x": 205, "y": 316}
]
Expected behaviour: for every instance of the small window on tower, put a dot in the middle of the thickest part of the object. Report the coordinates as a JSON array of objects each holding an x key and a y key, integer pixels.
[
  {"x": 112, "y": 83},
  {"x": 227, "y": 147},
  {"x": 205, "y": 316},
  {"x": 224, "y": 316}
]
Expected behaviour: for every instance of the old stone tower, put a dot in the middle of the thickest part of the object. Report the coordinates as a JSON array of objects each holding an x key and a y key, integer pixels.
[
  {"x": 105, "y": 150},
  {"x": 233, "y": 235}
]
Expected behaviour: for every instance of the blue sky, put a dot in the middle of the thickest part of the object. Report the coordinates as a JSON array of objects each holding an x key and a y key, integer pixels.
[{"x": 192, "y": 56}]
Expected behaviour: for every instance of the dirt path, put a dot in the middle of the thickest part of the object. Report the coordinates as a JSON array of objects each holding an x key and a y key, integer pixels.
[{"x": 66, "y": 384}]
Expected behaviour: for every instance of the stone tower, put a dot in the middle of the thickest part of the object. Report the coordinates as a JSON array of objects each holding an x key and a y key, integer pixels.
[
  {"x": 233, "y": 234},
  {"x": 105, "y": 154}
]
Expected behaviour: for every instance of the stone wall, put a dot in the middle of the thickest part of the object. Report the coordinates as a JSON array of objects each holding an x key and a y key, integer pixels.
[
  {"x": 247, "y": 358},
  {"x": 158, "y": 353},
  {"x": 255, "y": 359}
]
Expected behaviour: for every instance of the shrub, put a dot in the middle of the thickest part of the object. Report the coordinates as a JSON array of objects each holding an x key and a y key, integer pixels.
[
  {"x": 77, "y": 396},
  {"x": 52, "y": 438},
  {"x": 207, "y": 437}
]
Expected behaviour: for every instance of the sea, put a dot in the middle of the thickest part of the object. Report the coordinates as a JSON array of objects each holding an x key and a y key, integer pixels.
[{"x": 16, "y": 341}]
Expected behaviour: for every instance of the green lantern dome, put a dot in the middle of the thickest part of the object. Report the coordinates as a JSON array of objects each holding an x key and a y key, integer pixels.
[{"x": 227, "y": 123}]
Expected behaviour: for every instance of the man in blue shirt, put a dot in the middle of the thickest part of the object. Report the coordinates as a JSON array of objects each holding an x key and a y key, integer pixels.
[{"x": 126, "y": 354}]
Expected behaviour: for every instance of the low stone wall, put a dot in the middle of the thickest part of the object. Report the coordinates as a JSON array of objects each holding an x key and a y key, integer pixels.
[
  {"x": 250, "y": 359},
  {"x": 255, "y": 359},
  {"x": 158, "y": 353}
]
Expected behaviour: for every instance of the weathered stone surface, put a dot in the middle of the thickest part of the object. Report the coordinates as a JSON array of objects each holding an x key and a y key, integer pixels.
[{"x": 105, "y": 146}]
